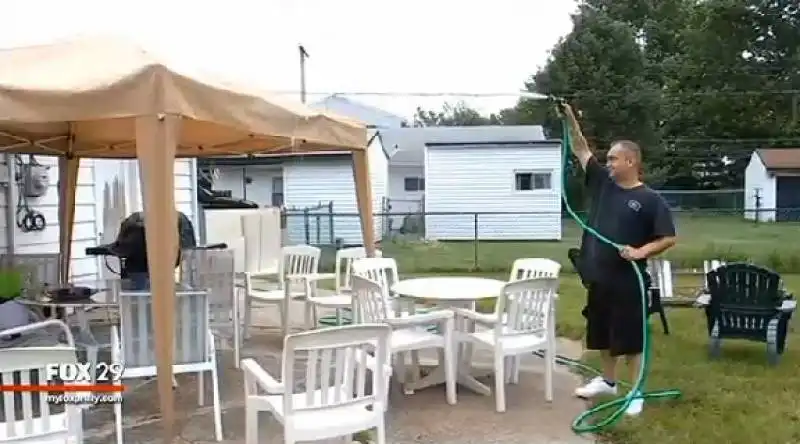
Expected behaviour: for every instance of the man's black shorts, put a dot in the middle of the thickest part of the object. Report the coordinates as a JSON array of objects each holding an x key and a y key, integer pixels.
[{"x": 614, "y": 315}]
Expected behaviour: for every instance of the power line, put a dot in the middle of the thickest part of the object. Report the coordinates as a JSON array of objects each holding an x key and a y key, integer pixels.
[{"x": 531, "y": 95}]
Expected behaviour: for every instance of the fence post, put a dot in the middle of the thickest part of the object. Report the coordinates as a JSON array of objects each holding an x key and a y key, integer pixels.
[
  {"x": 306, "y": 225},
  {"x": 330, "y": 221},
  {"x": 475, "y": 264},
  {"x": 319, "y": 229},
  {"x": 758, "y": 206}
]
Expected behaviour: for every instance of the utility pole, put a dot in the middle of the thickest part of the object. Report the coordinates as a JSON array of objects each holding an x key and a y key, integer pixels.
[{"x": 303, "y": 57}]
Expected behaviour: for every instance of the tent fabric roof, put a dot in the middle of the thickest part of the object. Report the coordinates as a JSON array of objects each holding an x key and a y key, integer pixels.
[
  {"x": 780, "y": 158},
  {"x": 95, "y": 88}
]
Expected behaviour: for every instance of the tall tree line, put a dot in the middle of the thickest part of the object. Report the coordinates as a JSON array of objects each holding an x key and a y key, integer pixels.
[{"x": 698, "y": 83}]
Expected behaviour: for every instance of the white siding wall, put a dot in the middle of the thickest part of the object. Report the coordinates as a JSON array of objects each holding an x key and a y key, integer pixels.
[
  {"x": 403, "y": 201},
  {"x": 310, "y": 181},
  {"x": 47, "y": 241},
  {"x": 259, "y": 190},
  {"x": 756, "y": 177},
  {"x": 481, "y": 179},
  {"x": 379, "y": 182},
  {"x": 185, "y": 185},
  {"x": 92, "y": 176}
]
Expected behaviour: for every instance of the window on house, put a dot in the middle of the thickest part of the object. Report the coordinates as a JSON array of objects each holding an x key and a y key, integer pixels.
[
  {"x": 414, "y": 184},
  {"x": 277, "y": 191},
  {"x": 530, "y": 181}
]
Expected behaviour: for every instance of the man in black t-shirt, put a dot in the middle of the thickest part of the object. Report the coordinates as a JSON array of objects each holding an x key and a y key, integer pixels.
[{"x": 629, "y": 213}]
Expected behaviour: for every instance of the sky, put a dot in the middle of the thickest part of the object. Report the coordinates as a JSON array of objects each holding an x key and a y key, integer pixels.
[{"x": 426, "y": 46}]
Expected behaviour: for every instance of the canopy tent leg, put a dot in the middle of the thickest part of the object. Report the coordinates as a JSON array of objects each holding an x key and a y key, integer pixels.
[
  {"x": 156, "y": 142},
  {"x": 364, "y": 199},
  {"x": 67, "y": 188}
]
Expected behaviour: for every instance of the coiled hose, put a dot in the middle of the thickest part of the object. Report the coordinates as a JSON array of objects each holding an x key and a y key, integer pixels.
[{"x": 581, "y": 423}]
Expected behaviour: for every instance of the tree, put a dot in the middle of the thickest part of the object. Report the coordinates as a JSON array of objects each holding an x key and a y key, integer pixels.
[
  {"x": 599, "y": 68},
  {"x": 459, "y": 114},
  {"x": 738, "y": 57}
]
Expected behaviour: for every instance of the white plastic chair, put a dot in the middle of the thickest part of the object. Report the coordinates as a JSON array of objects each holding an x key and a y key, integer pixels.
[
  {"x": 342, "y": 299},
  {"x": 661, "y": 274},
  {"x": 133, "y": 345},
  {"x": 333, "y": 401},
  {"x": 410, "y": 332},
  {"x": 214, "y": 270},
  {"x": 28, "y": 417},
  {"x": 522, "y": 323},
  {"x": 299, "y": 265},
  {"x": 528, "y": 268}
]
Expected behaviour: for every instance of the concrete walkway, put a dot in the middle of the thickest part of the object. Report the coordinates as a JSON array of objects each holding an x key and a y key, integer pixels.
[{"x": 423, "y": 417}]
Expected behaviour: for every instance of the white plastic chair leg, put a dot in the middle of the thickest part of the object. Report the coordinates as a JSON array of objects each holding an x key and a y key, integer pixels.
[
  {"x": 237, "y": 334},
  {"x": 450, "y": 364},
  {"x": 515, "y": 370},
  {"x": 284, "y": 309},
  {"x": 250, "y": 424},
  {"x": 201, "y": 389},
  {"x": 499, "y": 382},
  {"x": 216, "y": 400},
  {"x": 248, "y": 313},
  {"x": 91, "y": 358},
  {"x": 380, "y": 433},
  {"x": 118, "y": 421},
  {"x": 549, "y": 364}
]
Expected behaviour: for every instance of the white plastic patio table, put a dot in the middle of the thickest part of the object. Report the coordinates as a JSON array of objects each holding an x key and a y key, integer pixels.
[{"x": 447, "y": 292}]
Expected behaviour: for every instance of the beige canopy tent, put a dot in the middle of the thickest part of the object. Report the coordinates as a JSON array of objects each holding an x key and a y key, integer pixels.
[{"x": 106, "y": 98}]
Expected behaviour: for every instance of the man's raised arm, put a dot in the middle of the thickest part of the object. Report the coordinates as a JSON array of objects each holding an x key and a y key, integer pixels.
[{"x": 580, "y": 148}]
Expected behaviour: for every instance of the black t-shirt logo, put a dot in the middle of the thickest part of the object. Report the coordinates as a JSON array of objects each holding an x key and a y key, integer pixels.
[{"x": 634, "y": 205}]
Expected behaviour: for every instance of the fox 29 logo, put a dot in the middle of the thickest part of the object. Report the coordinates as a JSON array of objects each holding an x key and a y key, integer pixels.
[{"x": 84, "y": 372}]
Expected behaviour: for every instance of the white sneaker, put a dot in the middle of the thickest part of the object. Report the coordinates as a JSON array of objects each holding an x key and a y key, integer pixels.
[
  {"x": 597, "y": 386},
  {"x": 635, "y": 407}
]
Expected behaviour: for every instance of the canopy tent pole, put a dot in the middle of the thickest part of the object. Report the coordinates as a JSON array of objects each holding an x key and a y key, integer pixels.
[
  {"x": 364, "y": 198},
  {"x": 156, "y": 143},
  {"x": 68, "y": 167}
]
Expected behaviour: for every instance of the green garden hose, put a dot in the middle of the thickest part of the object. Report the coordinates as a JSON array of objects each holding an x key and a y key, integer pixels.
[{"x": 579, "y": 424}]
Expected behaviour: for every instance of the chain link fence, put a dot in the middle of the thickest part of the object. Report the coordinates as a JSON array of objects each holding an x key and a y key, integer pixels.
[{"x": 490, "y": 242}]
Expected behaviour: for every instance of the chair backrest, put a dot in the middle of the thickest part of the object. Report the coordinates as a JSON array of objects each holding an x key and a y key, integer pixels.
[
  {"x": 534, "y": 267},
  {"x": 711, "y": 265},
  {"x": 137, "y": 334},
  {"x": 661, "y": 273},
  {"x": 28, "y": 366},
  {"x": 344, "y": 264},
  {"x": 335, "y": 362},
  {"x": 214, "y": 271},
  {"x": 526, "y": 306},
  {"x": 371, "y": 301},
  {"x": 38, "y": 270},
  {"x": 382, "y": 270},
  {"x": 741, "y": 285},
  {"x": 299, "y": 259}
]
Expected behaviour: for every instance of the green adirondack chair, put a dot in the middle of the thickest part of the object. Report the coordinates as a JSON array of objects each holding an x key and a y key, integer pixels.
[{"x": 747, "y": 302}]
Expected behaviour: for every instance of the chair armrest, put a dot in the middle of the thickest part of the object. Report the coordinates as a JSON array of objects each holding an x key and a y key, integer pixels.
[
  {"x": 787, "y": 305},
  {"x": 430, "y": 317},
  {"x": 317, "y": 277},
  {"x": 487, "y": 319},
  {"x": 261, "y": 377},
  {"x": 703, "y": 300},
  {"x": 40, "y": 325},
  {"x": 257, "y": 274}
]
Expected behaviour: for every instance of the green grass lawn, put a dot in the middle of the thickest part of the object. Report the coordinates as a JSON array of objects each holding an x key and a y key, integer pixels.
[
  {"x": 735, "y": 399},
  {"x": 700, "y": 237}
]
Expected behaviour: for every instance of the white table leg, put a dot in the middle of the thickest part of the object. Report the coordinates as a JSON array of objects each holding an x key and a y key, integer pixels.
[{"x": 464, "y": 372}]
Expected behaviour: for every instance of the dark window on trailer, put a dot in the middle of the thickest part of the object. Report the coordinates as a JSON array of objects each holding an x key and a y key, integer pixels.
[
  {"x": 530, "y": 181},
  {"x": 414, "y": 184}
]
